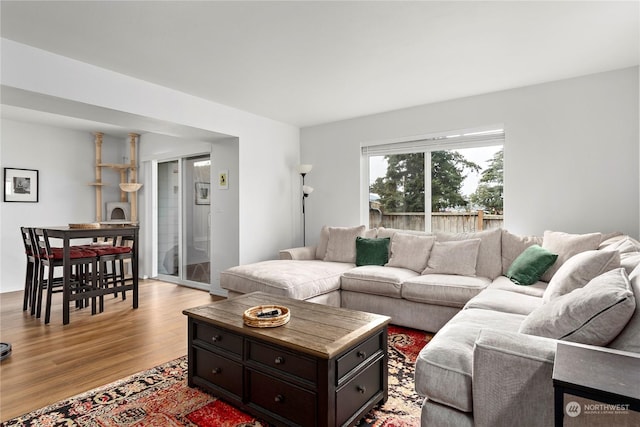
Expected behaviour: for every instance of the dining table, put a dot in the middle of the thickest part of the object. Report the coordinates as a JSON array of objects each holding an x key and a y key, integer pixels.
[{"x": 68, "y": 233}]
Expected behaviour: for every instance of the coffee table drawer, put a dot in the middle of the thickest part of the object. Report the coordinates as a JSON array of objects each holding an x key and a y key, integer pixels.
[
  {"x": 284, "y": 361},
  {"x": 358, "y": 355},
  {"x": 219, "y": 371},
  {"x": 295, "y": 404},
  {"x": 354, "y": 394},
  {"x": 218, "y": 337}
]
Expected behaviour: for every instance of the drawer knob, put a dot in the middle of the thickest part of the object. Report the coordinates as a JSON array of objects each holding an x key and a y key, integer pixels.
[
  {"x": 216, "y": 371},
  {"x": 279, "y": 360},
  {"x": 216, "y": 338},
  {"x": 279, "y": 398},
  {"x": 362, "y": 389},
  {"x": 361, "y": 354}
]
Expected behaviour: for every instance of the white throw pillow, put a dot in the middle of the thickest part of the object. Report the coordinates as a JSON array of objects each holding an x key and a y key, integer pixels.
[
  {"x": 629, "y": 338},
  {"x": 454, "y": 257},
  {"x": 578, "y": 270},
  {"x": 341, "y": 246},
  {"x": 410, "y": 251},
  {"x": 594, "y": 314},
  {"x": 567, "y": 245}
]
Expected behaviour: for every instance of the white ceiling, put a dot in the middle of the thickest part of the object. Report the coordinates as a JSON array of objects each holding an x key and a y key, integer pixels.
[{"x": 308, "y": 63}]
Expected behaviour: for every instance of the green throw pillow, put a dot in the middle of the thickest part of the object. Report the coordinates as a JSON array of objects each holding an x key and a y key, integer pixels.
[
  {"x": 531, "y": 265},
  {"x": 372, "y": 251}
]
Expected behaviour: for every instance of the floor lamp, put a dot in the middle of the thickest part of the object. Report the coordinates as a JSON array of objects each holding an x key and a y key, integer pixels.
[{"x": 306, "y": 190}]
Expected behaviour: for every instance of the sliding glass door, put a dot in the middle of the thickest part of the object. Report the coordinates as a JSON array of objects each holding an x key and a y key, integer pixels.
[{"x": 184, "y": 221}]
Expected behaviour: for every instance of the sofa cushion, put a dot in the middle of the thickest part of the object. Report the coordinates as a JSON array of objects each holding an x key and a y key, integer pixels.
[
  {"x": 341, "y": 246},
  {"x": 389, "y": 232},
  {"x": 453, "y": 257},
  {"x": 377, "y": 280},
  {"x": 579, "y": 270},
  {"x": 629, "y": 338},
  {"x": 443, "y": 289},
  {"x": 444, "y": 367},
  {"x": 410, "y": 251},
  {"x": 629, "y": 260},
  {"x": 594, "y": 314},
  {"x": 290, "y": 278},
  {"x": 513, "y": 245},
  {"x": 321, "y": 249},
  {"x": 505, "y": 284},
  {"x": 504, "y": 301},
  {"x": 567, "y": 245},
  {"x": 372, "y": 251},
  {"x": 621, "y": 243},
  {"x": 489, "y": 262},
  {"x": 530, "y": 265}
]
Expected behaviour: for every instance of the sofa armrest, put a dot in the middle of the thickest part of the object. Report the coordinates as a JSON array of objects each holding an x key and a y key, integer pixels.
[
  {"x": 301, "y": 253},
  {"x": 512, "y": 379}
]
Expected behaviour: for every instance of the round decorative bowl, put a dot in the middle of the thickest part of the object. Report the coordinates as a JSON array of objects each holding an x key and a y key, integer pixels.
[{"x": 266, "y": 316}]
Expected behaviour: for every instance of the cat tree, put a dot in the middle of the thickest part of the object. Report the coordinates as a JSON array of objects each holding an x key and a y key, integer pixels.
[{"x": 129, "y": 184}]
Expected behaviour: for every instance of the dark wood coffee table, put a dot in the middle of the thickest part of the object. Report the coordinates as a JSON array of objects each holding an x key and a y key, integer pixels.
[{"x": 326, "y": 367}]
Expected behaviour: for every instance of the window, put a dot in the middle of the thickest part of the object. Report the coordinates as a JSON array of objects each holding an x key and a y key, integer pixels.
[{"x": 451, "y": 182}]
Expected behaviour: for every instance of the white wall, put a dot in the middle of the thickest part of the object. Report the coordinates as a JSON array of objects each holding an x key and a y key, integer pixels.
[
  {"x": 65, "y": 161},
  {"x": 268, "y": 151},
  {"x": 571, "y": 153}
]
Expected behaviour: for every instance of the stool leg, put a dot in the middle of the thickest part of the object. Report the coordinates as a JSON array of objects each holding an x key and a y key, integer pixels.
[
  {"x": 47, "y": 312},
  {"x": 28, "y": 283}
]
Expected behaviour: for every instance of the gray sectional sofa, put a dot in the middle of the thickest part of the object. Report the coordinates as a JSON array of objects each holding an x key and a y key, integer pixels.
[{"x": 491, "y": 359}]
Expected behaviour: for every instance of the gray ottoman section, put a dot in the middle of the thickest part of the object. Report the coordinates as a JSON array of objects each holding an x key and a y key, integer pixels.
[{"x": 290, "y": 278}]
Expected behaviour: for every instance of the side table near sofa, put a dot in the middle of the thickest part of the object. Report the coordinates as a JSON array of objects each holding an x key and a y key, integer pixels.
[{"x": 604, "y": 375}]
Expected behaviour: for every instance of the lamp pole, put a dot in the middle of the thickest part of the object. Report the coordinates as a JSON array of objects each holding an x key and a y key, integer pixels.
[{"x": 306, "y": 190}]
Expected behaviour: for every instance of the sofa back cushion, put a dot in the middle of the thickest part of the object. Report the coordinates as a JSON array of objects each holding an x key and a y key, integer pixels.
[
  {"x": 513, "y": 245},
  {"x": 453, "y": 257},
  {"x": 410, "y": 251},
  {"x": 489, "y": 262},
  {"x": 579, "y": 270},
  {"x": 629, "y": 338},
  {"x": 341, "y": 246},
  {"x": 389, "y": 232},
  {"x": 594, "y": 314},
  {"x": 321, "y": 247},
  {"x": 567, "y": 245}
]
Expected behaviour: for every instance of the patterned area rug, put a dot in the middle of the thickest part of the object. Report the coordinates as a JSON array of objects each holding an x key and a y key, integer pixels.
[{"x": 160, "y": 397}]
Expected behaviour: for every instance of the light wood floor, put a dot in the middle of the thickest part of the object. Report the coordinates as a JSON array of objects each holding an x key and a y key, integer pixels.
[{"x": 53, "y": 362}]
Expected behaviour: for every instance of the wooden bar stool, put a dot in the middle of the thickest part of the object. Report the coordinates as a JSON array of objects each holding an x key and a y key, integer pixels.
[
  {"x": 83, "y": 261},
  {"x": 31, "y": 271}
]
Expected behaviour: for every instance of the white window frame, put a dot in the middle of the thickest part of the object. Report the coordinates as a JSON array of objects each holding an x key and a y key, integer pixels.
[{"x": 452, "y": 140}]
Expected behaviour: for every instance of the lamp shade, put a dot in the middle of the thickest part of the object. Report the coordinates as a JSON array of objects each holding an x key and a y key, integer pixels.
[
  {"x": 307, "y": 189},
  {"x": 303, "y": 169}
]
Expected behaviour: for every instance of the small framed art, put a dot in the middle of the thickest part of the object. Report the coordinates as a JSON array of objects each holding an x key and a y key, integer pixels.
[
  {"x": 203, "y": 193},
  {"x": 21, "y": 185}
]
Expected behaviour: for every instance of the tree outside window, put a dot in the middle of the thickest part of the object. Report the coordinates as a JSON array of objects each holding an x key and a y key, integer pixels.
[{"x": 461, "y": 181}]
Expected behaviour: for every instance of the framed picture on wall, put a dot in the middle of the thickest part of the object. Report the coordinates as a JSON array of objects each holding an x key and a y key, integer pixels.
[
  {"x": 20, "y": 185},
  {"x": 203, "y": 193}
]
